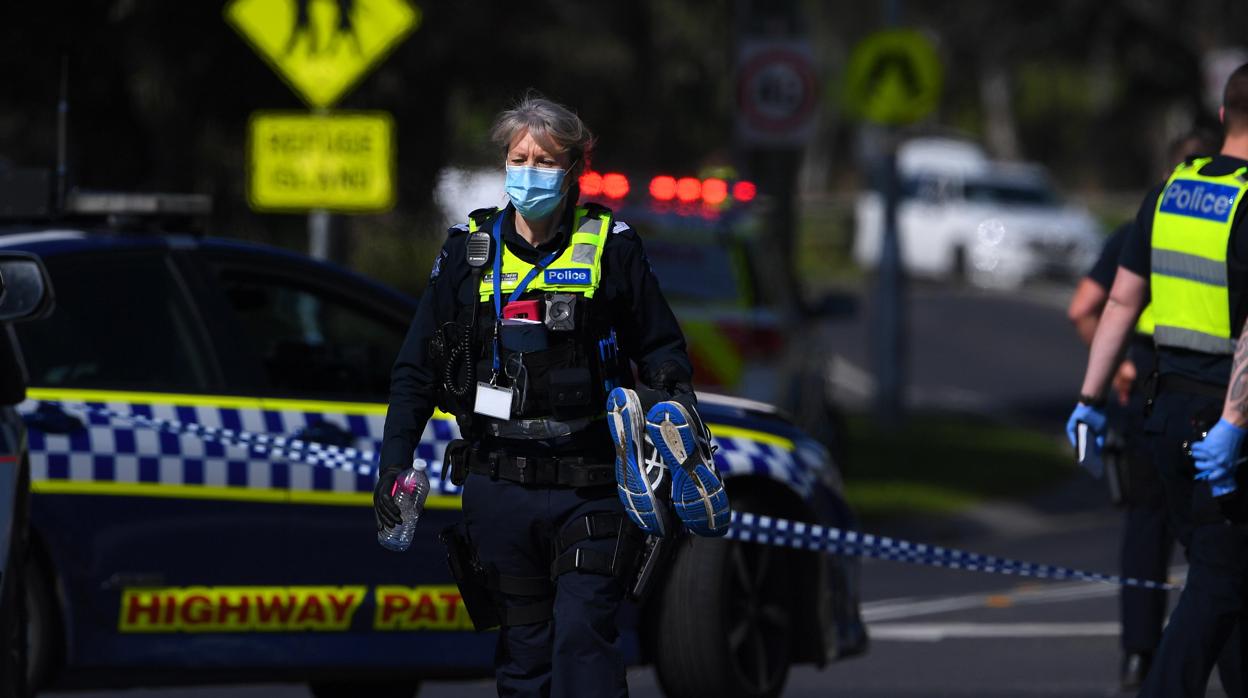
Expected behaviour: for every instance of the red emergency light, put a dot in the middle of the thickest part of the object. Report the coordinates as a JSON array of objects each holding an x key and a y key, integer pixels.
[
  {"x": 714, "y": 191},
  {"x": 744, "y": 191},
  {"x": 591, "y": 183},
  {"x": 688, "y": 189},
  {"x": 663, "y": 187},
  {"x": 614, "y": 185}
]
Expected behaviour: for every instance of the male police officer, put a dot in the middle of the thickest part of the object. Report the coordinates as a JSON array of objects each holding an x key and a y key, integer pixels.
[
  {"x": 1146, "y": 538},
  {"x": 529, "y": 323},
  {"x": 1189, "y": 250}
]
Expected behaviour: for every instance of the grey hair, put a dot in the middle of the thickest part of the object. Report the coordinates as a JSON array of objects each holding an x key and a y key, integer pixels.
[{"x": 554, "y": 126}]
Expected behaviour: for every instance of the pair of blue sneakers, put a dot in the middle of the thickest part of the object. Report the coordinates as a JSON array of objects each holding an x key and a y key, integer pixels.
[{"x": 675, "y": 434}]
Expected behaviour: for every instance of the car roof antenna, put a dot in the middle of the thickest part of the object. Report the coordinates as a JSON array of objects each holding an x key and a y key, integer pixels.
[{"x": 62, "y": 140}]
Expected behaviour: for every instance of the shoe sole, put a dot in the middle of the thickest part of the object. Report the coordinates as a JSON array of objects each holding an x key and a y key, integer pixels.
[
  {"x": 625, "y": 424},
  {"x": 697, "y": 491}
]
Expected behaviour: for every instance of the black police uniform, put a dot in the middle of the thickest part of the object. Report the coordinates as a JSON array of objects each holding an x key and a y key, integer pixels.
[
  {"x": 1146, "y": 539},
  {"x": 1190, "y": 395},
  {"x": 524, "y": 534}
]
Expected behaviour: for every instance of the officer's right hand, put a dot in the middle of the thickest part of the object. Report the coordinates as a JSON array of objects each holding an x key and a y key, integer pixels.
[
  {"x": 1095, "y": 419},
  {"x": 385, "y": 509}
]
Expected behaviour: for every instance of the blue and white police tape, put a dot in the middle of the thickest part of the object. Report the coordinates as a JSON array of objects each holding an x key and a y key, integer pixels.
[
  {"x": 766, "y": 530},
  {"x": 747, "y": 527},
  {"x": 290, "y": 449}
]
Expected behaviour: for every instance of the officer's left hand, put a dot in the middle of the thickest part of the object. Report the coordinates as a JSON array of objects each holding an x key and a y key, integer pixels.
[
  {"x": 1217, "y": 456},
  {"x": 1096, "y": 421}
]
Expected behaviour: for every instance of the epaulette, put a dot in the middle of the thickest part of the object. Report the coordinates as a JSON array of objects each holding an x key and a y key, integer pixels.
[
  {"x": 457, "y": 229},
  {"x": 482, "y": 216},
  {"x": 621, "y": 227},
  {"x": 596, "y": 210}
]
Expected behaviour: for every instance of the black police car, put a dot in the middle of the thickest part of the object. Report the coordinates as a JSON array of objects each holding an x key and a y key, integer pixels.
[
  {"x": 199, "y": 413},
  {"x": 25, "y": 294}
]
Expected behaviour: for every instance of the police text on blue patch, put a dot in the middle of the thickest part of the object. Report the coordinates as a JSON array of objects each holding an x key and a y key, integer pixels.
[
  {"x": 567, "y": 276},
  {"x": 1185, "y": 197}
]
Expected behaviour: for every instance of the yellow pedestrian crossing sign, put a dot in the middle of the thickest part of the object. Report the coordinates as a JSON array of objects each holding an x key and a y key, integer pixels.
[
  {"x": 894, "y": 77},
  {"x": 321, "y": 48}
]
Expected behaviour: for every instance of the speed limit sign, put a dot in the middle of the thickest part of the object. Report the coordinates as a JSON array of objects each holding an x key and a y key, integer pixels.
[{"x": 776, "y": 93}]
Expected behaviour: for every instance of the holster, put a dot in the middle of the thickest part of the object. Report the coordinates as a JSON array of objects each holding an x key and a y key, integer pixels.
[
  {"x": 455, "y": 461},
  {"x": 650, "y": 563},
  {"x": 471, "y": 578}
]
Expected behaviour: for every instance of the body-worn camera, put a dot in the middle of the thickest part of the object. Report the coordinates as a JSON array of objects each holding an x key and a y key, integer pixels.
[{"x": 561, "y": 312}]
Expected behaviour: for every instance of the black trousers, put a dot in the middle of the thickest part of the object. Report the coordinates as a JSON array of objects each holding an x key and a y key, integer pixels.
[
  {"x": 1214, "y": 602},
  {"x": 1147, "y": 541},
  {"x": 578, "y": 652}
]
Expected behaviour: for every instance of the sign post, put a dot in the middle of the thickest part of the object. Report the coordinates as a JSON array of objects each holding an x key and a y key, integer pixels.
[
  {"x": 325, "y": 161},
  {"x": 894, "y": 78},
  {"x": 775, "y": 118}
]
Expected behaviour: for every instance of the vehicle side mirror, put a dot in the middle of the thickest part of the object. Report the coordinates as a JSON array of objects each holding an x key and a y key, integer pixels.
[{"x": 25, "y": 288}]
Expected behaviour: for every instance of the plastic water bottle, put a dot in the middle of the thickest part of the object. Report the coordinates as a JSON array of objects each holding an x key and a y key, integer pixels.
[{"x": 410, "y": 490}]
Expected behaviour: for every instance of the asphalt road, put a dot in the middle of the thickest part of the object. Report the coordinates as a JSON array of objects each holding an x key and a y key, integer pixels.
[{"x": 1012, "y": 355}]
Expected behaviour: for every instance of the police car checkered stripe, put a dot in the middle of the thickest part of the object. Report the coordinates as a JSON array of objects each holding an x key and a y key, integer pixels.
[
  {"x": 248, "y": 447},
  {"x": 208, "y": 446},
  {"x": 221, "y": 446},
  {"x": 748, "y": 527},
  {"x": 744, "y": 456}
]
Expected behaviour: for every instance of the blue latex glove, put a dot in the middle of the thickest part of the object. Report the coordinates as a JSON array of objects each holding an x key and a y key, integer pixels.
[
  {"x": 1217, "y": 456},
  {"x": 1095, "y": 419}
]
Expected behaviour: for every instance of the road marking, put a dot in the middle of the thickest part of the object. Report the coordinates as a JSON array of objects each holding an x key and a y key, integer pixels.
[
  {"x": 1024, "y": 595},
  {"x": 936, "y": 632}
]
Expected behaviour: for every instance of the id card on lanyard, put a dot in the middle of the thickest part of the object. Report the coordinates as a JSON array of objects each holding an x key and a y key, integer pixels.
[{"x": 492, "y": 400}]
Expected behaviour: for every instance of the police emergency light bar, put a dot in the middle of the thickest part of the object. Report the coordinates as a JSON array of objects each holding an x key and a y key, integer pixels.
[{"x": 686, "y": 190}]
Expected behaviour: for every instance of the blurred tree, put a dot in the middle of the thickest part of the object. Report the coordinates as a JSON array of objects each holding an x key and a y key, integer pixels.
[{"x": 161, "y": 91}]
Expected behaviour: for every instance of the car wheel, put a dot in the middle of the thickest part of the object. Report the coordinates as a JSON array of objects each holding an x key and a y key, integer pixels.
[
  {"x": 13, "y": 659},
  {"x": 371, "y": 689},
  {"x": 725, "y": 621},
  {"x": 41, "y": 626}
]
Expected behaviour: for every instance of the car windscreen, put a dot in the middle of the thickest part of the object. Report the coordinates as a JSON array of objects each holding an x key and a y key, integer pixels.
[
  {"x": 1010, "y": 193},
  {"x": 694, "y": 272},
  {"x": 311, "y": 340},
  {"x": 122, "y": 321}
]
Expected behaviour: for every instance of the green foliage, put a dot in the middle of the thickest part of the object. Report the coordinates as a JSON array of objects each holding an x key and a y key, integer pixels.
[{"x": 941, "y": 463}]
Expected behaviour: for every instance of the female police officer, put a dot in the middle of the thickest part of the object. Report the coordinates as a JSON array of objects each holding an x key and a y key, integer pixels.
[{"x": 528, "y": 325}]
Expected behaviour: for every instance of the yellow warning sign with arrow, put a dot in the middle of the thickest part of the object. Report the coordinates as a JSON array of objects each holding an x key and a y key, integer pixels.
[
  {"x": 321, "y": 48},
  {"x": 894, "y": 77}
]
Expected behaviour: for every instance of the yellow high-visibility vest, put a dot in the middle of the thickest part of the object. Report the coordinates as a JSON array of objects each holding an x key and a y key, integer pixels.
[
  {"x": 1146, "y": 325},
  {"x": 577, "y": 270},
  {"x": 1191, "y": 233}
]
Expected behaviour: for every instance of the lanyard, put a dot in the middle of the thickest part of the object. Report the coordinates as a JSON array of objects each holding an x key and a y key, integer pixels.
[{"x": 520, "y": 288}]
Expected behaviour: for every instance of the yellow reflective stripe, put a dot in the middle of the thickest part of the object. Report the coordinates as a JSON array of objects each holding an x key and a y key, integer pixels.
[
  {"x": 751, "y": 435},
  {"x": 222, "y": 401},
  {"x": 188, "y": 400},
  {"x": 1146, "y": 322},
  {"x": 716, "y": 351},
  {"x": 1191, "y": 304},
  {"x": 213, "y": 492}
]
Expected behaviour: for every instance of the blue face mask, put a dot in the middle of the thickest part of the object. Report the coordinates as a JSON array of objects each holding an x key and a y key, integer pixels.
[{"x": 535, "y": 191}]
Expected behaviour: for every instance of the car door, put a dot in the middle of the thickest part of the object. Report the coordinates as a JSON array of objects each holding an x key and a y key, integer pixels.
[
  {"x": 324, "y": 342},
  {"x": 143, "y": 518}
]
